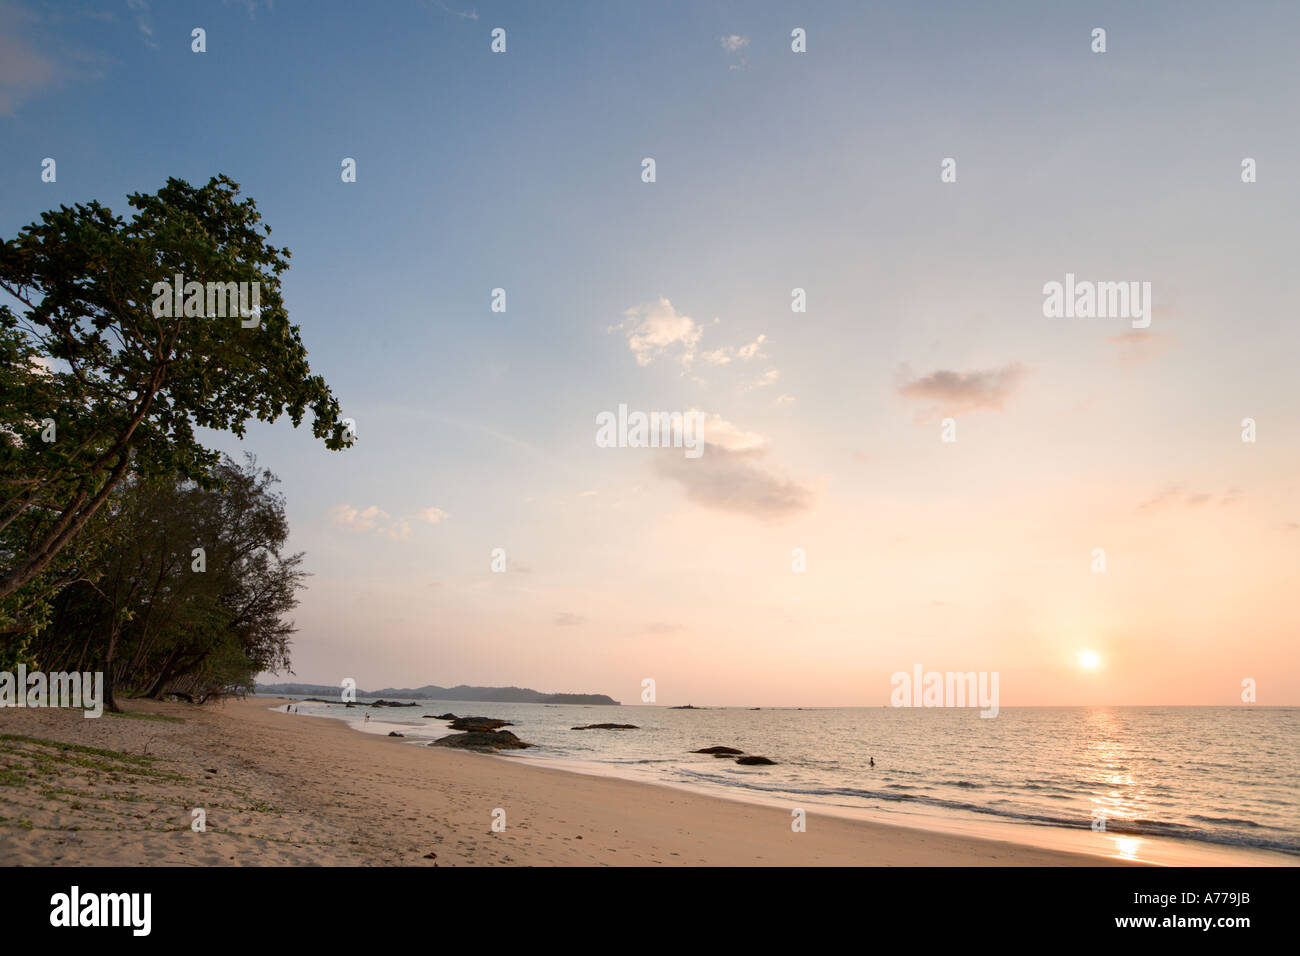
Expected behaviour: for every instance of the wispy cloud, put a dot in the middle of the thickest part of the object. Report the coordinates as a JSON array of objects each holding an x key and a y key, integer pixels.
[
  {"x": 744, "y": 353},
  {"x": 569, "y": 619},
  {"x": 354, "y": 519},
  {"x": 143, "y": 21},
  {"x": 735, "y": 481},
  {"x": 1177, "y": 496},
  {"x": 716, "y": 430},
  {"x": 731, "y": 474},
  {"x": 953, "y": 393},
  {"x": 374, "y": 518},
  {"x": 656, "y": 330},
  {"x": 24, "y": 72},
  {"x": 471, "y": 14},
  {"x": 769, "y": 377},
  {"x": 734, "y": 44},
  {"x": 251, "y": 6},
  {"x": 431, "y": 515}
]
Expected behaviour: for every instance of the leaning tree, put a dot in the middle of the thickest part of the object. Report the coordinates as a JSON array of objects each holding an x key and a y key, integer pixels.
[{"x": 98, "y": 382}]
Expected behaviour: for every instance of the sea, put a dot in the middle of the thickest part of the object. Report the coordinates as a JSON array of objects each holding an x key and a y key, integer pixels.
[{"x": 1170, "y": 785}]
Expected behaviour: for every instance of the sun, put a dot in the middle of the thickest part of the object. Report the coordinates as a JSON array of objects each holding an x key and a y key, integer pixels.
[{"x": 1089, "y": 660}]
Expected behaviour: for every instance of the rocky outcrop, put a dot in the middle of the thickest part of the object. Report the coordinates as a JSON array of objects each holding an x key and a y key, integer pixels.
[
  {"x": 482, "y": 740},
  {"x": 478, "y": 723},
  {"x": 443, "y": 716},
  {"x": 607, "y": 727},
  {"x": 748, "y": 760},
  {"x": 393, "y": 733},
  {"x": 388, "y": 703}
]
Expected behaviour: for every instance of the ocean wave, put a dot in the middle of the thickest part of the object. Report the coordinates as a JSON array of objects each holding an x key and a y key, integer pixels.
[
  {"x": 1138, "y": 827},
  {"x": 1227, "y": 821}
]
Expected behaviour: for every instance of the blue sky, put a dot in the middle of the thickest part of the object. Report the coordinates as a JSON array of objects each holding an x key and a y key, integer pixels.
[{"x": 775, "y": 170}]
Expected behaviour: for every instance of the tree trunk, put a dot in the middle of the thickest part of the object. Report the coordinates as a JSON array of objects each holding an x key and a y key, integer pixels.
[
  {"x": 110, "y": 701},
  {"x": 65, "y": 529}
]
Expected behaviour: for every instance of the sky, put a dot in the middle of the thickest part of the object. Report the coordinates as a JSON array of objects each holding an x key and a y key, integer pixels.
[{"x": 824, "y": 429}]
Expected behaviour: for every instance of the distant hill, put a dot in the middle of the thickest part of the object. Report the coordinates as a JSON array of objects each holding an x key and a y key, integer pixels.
[{"x": 500, "y": 695}]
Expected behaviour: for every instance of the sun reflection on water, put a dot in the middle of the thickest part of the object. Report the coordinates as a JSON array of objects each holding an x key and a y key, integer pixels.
[
  {"x": 1107, "y": 766},
  {"x": 1126, "y": 848}
]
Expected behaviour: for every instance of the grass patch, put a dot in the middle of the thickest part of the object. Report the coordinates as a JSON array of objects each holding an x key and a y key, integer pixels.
[
  {"x": 12, "y": 777},
  {"x": 109, "y": 762},
  {"x": 139, "y": 715},
  {"x": 78, "y": 749}
]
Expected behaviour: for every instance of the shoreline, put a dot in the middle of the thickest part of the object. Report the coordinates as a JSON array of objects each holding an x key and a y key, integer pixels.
[
  {"x": 277, "y": 791},
  {"x": 1123, "y": 847},
  {"x": 1128, "y": 847}
]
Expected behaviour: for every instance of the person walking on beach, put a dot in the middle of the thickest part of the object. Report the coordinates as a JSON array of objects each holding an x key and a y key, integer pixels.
[{"x": 873, "y": 761}]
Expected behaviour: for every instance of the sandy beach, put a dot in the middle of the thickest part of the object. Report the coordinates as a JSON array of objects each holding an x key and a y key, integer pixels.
[{"x": 283, "y": 789}]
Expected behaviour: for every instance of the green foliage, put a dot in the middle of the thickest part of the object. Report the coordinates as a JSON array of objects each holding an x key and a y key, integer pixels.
[
  {"x": 17, "y": 652},
  {"x": 153, "y": 623},
  {"x": 124, "y": 388}
]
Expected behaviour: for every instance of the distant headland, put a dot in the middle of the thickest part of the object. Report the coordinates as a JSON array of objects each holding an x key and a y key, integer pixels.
[{"x": 500, "y": 695}]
